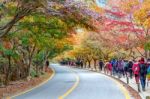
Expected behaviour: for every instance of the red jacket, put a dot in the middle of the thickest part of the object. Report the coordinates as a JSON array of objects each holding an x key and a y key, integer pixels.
[
  {"x": 136, "y": 68},
  {"x": 110, "y": 66}
]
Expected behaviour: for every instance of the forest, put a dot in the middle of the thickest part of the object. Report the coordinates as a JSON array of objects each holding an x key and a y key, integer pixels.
[{"x": 33, "y": 31}]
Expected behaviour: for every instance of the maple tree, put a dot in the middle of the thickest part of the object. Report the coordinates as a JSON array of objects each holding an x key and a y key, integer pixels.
[
  {"x": 124, "y": 29},
  {"x": 121, "y": 25}
]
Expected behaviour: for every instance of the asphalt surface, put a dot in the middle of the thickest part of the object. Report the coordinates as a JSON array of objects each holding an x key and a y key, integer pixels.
[{"x": 71, "y": 83}]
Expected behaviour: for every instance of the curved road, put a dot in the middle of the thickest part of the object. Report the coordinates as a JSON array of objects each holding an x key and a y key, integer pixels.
[{"x": 69, "y": 83}]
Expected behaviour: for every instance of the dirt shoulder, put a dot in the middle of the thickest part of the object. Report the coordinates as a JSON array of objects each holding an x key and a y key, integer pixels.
[{"x": 23, "y": 85}]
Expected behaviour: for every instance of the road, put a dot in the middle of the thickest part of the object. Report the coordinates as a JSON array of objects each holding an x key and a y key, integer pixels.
[{"x": 73, "y": 83}]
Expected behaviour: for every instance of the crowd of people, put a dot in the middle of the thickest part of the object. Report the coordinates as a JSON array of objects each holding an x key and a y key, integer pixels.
[
  {"x": 78, "y": 63},
  {"x": 140, "y": 70}
]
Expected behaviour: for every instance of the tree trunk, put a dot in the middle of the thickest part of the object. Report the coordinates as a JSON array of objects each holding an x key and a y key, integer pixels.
[
  {"x": 8, "y": 71},
  {"x": 84, "y": 64},
  {"x": 37, "y": 70},
  {"x": 29, "y": 67},
  {"x": 30, "y": 60},
  {"x": 95, "y": 60},
  {"x": 146, "y": 54},
  {"x": 89, "y": 64},
  {"x": 149, "y": 54}
]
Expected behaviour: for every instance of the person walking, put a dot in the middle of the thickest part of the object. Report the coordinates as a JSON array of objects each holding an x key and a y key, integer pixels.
[
  {"x": 136, "y": 71},
  {"x": 114, "y": 66},
  {"x": 46, "y": 65},
  {"x": 110, "y": 68},
  {"x": 120, "y": 68},
  {"x": 101, "y": 65},
  {"x": 126, "y": 64},
  {"x": 130, "y": 65},
  {"x": 143, "y": 72},
  {"x": 106, "y": 67}
]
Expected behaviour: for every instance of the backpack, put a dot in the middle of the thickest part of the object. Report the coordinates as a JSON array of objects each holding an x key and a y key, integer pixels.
[
  {"x": 114, "y": 63},
  {"x": 125, "y": 66},
  {"x": 142, "y": 68},
  {"x": 130, "y": 64}
]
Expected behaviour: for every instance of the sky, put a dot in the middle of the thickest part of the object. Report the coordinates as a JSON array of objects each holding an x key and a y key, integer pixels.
[{"x": 101, "y": 3}]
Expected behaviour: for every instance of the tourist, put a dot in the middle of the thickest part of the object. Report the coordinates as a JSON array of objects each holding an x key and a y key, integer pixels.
[
  {"x": 143, "y": 72},
  {"x": 136, "y": 70}
]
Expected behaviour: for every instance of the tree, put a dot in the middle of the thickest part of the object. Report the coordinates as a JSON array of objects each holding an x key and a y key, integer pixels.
[
  {"x": 67, "y": 10},
  {"x": 37, "y": 31}
]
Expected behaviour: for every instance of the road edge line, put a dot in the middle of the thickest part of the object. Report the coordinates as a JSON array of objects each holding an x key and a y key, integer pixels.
[
  {"x": 122, "y": 88},
  {"x": 30, "y": 89},
  {"x": 72, "y": 88}
]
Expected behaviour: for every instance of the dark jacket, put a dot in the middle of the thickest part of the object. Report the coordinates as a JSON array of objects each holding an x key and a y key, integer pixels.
[
  {"x": 130, "y": 65},
  {"x": 101, "y": 64},
  {"x": 143, "y": 69}
]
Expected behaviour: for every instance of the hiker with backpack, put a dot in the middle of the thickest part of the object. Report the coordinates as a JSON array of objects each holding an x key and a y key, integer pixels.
[
  {"x": 143, "y": 72},
  {"x": 126, "y": 64},
  {"x": 120, "y": 68},
  {"x": 114, "y": 66},
  {"x": 130, "y": 65},
  {"x": 136, "y": 71}
]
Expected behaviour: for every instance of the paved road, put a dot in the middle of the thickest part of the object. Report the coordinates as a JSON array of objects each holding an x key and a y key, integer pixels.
[{"x": 69, "y": 83}]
